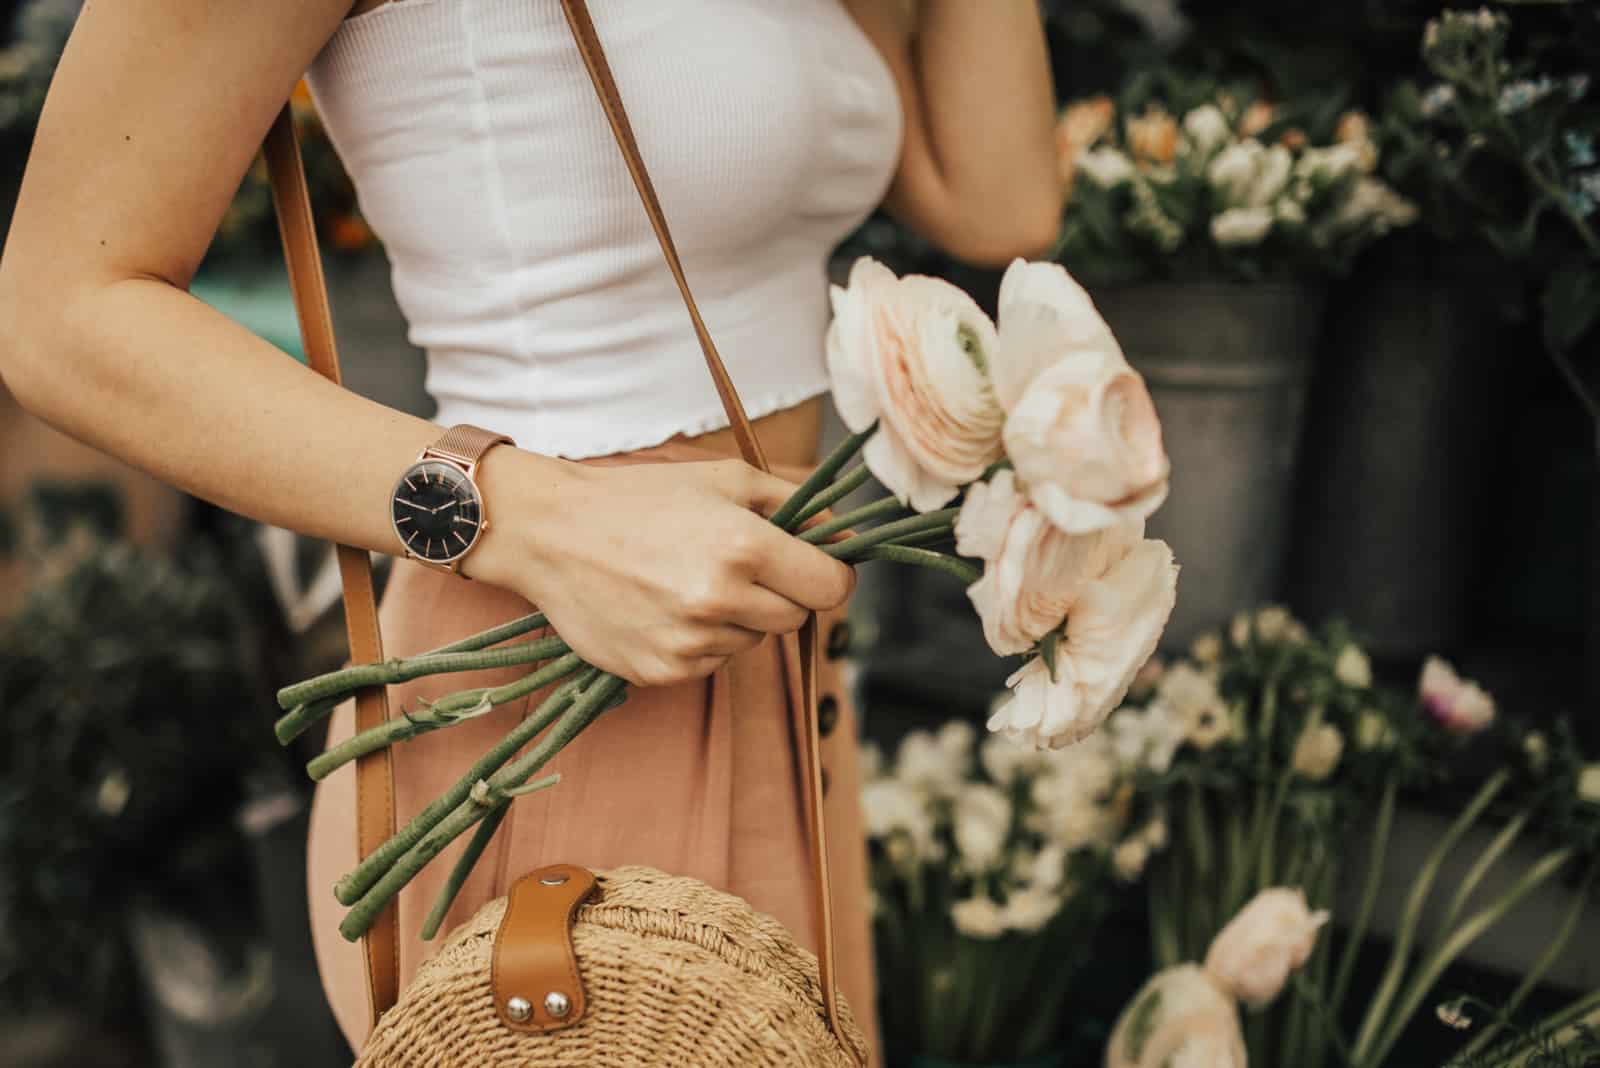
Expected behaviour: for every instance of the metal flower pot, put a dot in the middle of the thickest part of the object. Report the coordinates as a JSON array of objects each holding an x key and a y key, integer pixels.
[
  {"x": 1227, "y": 365},
  {"x": 1399, "y": 427}
]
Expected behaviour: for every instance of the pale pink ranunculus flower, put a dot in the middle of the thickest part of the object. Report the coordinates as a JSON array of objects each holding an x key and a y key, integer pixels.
[
  {"x": 1459, "y": 705},
  {"x": 1111, "y": 630},
  {"x": 1180, "y": 1016},
  {"x": 1033, "y": 571},
  {"x": 1253, "y": 956},
  {"x": 913, "y": 353},
  {"x": 1080, "y": 427}
]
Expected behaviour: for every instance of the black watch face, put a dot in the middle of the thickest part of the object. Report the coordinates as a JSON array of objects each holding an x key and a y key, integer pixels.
[{"x": 436, "y": 511}]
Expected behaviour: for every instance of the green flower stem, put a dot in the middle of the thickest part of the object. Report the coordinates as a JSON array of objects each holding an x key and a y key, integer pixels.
[
  {"x": 1357, "y": 932},
  {"x": 395, "y": 670},
  {"x": 304, "y": 715},
  {"x": 1469, "y": 931},
  {"x": 878, "y": 509},
  {"x": 1400, "y": 955},
  {"x": 1552, "y": 952},
  {"x": 846, "y": 450},
  {"x": 358, "y": 881},
  {"x": 902, "y": 554},
  {"x": 1326, "y": 1017},
  {"x": 1266, "y": 849},
  {"x": 852, "y": 481},
  {"x": 850, "y": 549},
  {"x": 470, "y": 856},
  {"x": 589, "y": 703},
  {"x": 455, "y": 708},
  {"x": 1562, "y": 1027},
  {"x": 1197, "y": 838},
  {"x": 1164, "y": 940},
  {"x": 483, "y": 639},
  {"x": 301, "y": 718},
  {"x": 1480, "y": 868}
]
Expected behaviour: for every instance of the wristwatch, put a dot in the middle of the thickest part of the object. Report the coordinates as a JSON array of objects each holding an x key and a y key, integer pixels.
[{"x": 437, "y": 509}]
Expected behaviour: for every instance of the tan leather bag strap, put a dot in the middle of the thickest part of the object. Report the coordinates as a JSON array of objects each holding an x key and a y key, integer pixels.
[{"x": 374, "y": 772}]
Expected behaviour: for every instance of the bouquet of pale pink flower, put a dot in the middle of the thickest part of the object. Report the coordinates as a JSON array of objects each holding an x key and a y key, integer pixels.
[
  {"x": 1040, "y": 421},
  {"x": 1052, "y": 437}
]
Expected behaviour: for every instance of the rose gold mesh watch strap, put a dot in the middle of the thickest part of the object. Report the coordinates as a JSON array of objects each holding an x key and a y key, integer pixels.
[{"x": 466, "y": 444}]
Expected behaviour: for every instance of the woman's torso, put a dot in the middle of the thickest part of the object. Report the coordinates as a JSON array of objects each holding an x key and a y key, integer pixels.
[{"x": 521, "y": 254}]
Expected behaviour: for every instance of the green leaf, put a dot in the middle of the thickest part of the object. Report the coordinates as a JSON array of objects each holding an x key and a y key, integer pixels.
[
  {"x": 1571, "y": 304},
  {"x": 1049, "y": 648}
]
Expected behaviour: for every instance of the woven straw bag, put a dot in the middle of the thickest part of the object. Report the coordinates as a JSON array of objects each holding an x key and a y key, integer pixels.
[
  {"x": 674, "y": 972},
  {"x": 629, "y": 966}
]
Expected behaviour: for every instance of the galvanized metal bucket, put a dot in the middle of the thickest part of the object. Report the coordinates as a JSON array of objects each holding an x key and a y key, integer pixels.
[{"x": 1227, "y": 365}]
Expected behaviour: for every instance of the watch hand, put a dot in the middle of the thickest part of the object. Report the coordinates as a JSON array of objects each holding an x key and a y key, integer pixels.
[
  {"x": 445, "y": 505},
  {"x": 418, "y": 507}
]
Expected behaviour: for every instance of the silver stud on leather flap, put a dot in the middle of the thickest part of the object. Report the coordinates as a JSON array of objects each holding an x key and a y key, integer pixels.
[
  {"x": 519, "y": 1009},
  {"x": 553, "y": 880},
  {"x": 557, "y": 1004}
]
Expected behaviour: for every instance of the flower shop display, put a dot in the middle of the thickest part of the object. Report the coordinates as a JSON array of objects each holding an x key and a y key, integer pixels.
[
  {"x": 1206, "y": 231},
  {"x": 1287, "y": 765},
  {"x": 1188, "y": 1014},
  {"x": 992, "y": 866},
  {"x": 1037, "y": 420}
]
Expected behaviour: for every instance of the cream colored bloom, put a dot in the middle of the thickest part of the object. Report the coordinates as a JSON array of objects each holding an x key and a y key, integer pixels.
[
  {"x": 1356, "y": 129},
  {"x": 1536, "y": 748},
  {"x": 1111, "y": 630},
  {"x": 1253, "y": 956},
  {"x": 1206, "y": 129},
  {"x": 1129, "y": 858},
  {"x": 1353, "y": 668},
  {"x": 1081, "y": 124},
  {"x": 1239, "y": 629},
  {"x": 1238, "y": 227},
  {"x": 1273, "y": 623},
  {"x": 1206, "y": 647},
  {"x": 923, "y": 763},
  {"x": 982, "y": 819},
  {"x": 1589, "y": 784},
  {"x": 1373, "y": 731},
  {"x": 1080, "y": 427},
  {"x": 1030, "y": 908},
  {"x": 1193, "y": 695},
  {"x": 979, "y": 917},
  {"x": 1180, "y": 1012},
  {"x": 1106, "y": 166},
  {"x": 1460, "y": 706},
  {"x": 891, "y": 808},
  {"x": 1033, "y": 572},
  {"x": 913, "y": 354},
  {"x": 1248, "y": 174},
  {"x": 1005, "y": 761},
  {"x": 1257, "y": 117},
  {"x": 1317, "y": 751}
]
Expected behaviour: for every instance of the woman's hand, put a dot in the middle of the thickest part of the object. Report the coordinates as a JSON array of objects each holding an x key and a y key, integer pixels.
[{"x": 657, "y": 572}]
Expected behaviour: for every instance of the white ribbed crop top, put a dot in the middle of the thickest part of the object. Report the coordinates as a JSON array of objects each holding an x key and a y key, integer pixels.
[{"x": 522, "y": 258}]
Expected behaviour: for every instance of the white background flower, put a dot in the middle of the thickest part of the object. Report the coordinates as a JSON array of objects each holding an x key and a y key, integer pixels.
[
  {"x": 1270, "y": 937},
  {"x": 1460, "y": 706}
]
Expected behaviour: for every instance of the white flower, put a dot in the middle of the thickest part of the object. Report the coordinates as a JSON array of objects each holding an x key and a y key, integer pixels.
[
  {"x": 870, "y": 761},
  {"x": 889, "y": 807},
  {"x": 979, "y": 917},
  {"x": 1154, "y": 834},
  {"x": 1317, "y": 751},
  {"x": 1106, "y": 166},
  {"x": 1589, "y": 784},
  {"x": 1129, "y": 858},
  {"x": 1179, "y": 1013},
  {"x": 1206, "y": 647},
  {"x": 1288, "y": 211},
  {"x": 1047, "y": 869},
  {"x": 1328, "y": 165},
  {"x": 1453, "y": 1014},
  {"x": 1273, "y": 623},
  {"x": 1241, "y": 226},
  {"x": 1353, "y": 668},
  {"x": 1148, "y": 737},
  {"x": 1005, "y": 761},
  {"x": 1373, "y": 731},
  {"x": 1239, "y": 630},
  {"x": 913, "y": 353},
  {"x": 1111, "y": 631},
  {"x": 982, "y": 819},
  {"x": 1247, "y": 174},
  {"x": 1436, "y": 99},
  {"x": 1460, "y": 706},
  {"x": 1193, "y": 695},
  {"x": 1033, "y": 572},
  {"x": 1271, "y": 937},
  {"x": 956, "y": 739},
  {"x": 1537, "y": 750},
  {"x": 1029, "y": 909},
  {"x": 925, "y": 764},
  {"x": 1206, "y": 129},
  {"x": 1080, "y": 427}
]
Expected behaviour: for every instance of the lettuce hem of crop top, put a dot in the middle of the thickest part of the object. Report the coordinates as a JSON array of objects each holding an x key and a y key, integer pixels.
[{"x": 535, "y": 286}]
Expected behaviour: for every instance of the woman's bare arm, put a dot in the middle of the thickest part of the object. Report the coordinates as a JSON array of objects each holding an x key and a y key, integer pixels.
[
  {"x": 977, "y": 171},
  {"x": 156, "y": 110}
]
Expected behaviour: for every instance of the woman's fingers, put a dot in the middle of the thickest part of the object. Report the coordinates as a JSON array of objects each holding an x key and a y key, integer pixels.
[{"x": 760, "y": 609}]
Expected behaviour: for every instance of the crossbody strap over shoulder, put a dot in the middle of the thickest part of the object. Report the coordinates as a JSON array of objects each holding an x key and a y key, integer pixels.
[{"x": 374, "y": 772}]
